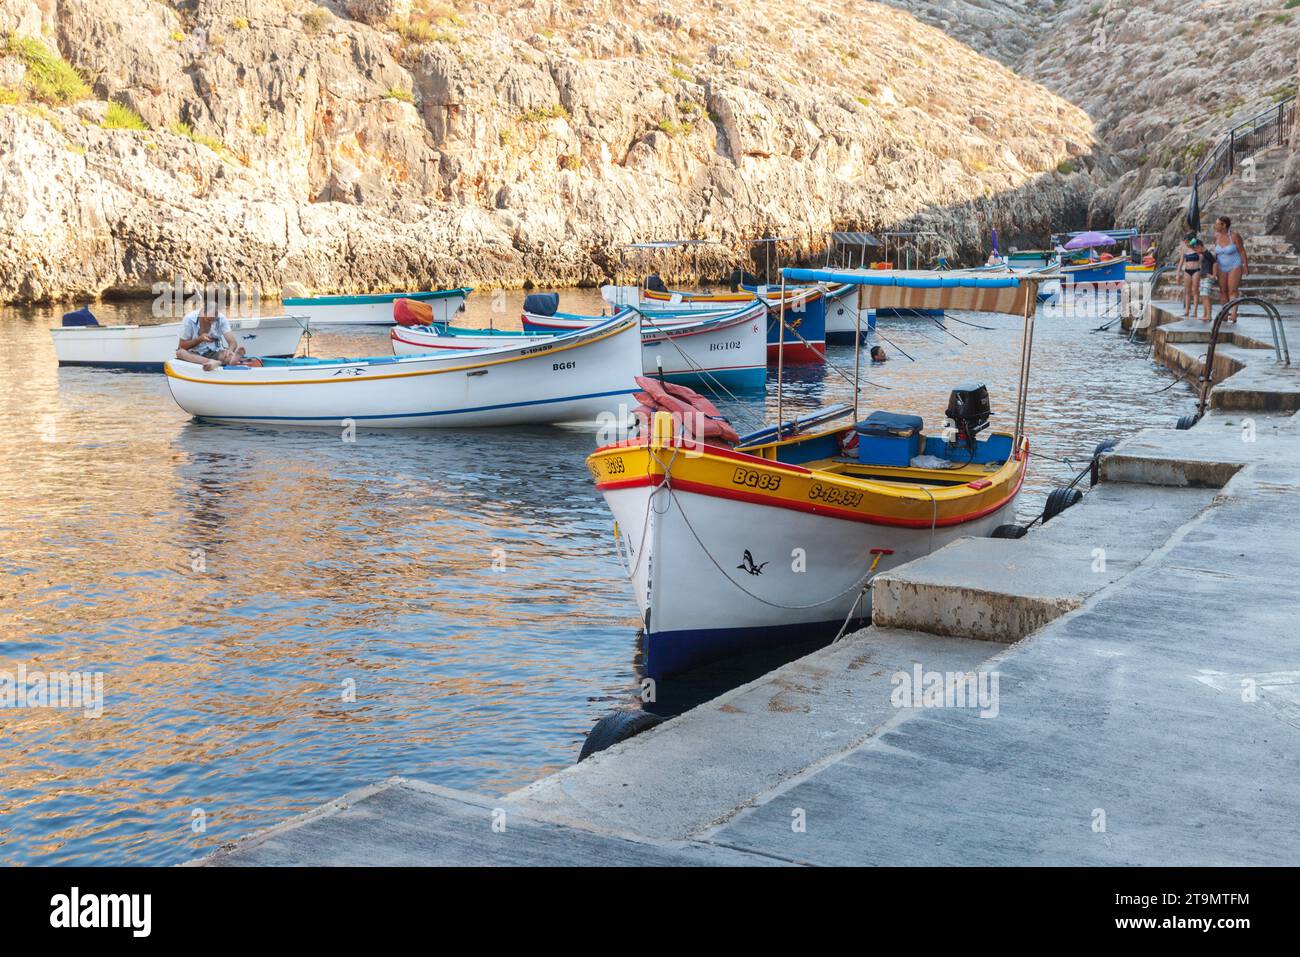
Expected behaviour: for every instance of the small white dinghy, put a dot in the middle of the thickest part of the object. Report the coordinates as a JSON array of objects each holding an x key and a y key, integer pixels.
[
  {"x": 572, "y": 379},
  {"x": 376, "y": 310},
  {"x": 81, "y": 341}
]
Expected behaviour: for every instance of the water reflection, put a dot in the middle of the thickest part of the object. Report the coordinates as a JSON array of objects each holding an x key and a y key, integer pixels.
[{"x": 281, "y": 616}]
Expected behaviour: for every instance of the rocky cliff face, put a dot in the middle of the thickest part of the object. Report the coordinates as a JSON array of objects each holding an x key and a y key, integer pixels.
[
  {"x": 1164, "y": 79},
  {"x": 370, "y": 144}
]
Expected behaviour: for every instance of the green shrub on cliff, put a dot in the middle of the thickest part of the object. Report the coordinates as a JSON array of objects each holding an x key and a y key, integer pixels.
[
  {"x": 122, "y": 117},
  {"x": 50, "y": 78}
]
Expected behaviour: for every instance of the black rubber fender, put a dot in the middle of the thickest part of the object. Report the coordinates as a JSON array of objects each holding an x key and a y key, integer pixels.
[
  {"x": 615, "y": 727},
  {"x": 1186, "y": 422},
  {"x": 1009, "y": 531},
  {"x": 1058, "y": 500},
  {"x": 1102, "y": 448}
]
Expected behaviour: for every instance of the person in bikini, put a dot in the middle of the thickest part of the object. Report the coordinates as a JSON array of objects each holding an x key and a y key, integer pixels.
[
  {"x": 1231, "y": 263},
  {"x": 1189, "y": 269},
  {"x": 206, "y": 338}
]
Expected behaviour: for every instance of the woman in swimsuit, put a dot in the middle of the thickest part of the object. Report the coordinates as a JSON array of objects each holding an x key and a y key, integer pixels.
[
  {"x": 1230, "y": 261},
  {"x": 1189, "y": 269}
]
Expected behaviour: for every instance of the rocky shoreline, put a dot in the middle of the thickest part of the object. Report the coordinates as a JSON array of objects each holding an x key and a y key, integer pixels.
[{"x": 369, "y": 145}]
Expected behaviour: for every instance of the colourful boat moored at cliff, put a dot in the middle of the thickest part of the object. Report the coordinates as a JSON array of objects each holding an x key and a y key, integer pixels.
[
  {"x": 733, "y": 548},
  {"x": 576, "y": 378}
]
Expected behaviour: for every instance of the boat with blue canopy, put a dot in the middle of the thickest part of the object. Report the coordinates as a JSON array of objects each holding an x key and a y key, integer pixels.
[{"x": 778, "y": 537}]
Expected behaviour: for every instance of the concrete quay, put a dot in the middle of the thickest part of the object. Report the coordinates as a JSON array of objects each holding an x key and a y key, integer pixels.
[{"x": 1143, "y": 657}]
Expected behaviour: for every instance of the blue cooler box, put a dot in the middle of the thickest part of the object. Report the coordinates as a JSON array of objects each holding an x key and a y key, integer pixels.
[{"x": 889, "y": 438}]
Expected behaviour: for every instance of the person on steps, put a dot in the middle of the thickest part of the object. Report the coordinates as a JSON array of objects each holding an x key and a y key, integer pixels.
[
  {"x": 1189, "y": 271},
  {"x": 1231, "y": 263}
]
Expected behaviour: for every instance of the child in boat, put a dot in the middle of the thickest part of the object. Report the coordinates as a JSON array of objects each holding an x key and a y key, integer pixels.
[
  {"x": 1209, "y": 286},
  {"x": 206, "y": 338}
]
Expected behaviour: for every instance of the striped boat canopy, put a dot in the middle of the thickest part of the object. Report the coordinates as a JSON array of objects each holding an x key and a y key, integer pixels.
[
  {"x": 855, "y": 239},
  {"x": 912, "y": 289},
  {"x": 671, "y": 243}
]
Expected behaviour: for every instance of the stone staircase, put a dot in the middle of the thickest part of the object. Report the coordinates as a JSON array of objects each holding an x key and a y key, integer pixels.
[{"x": 1274, "y": 262}]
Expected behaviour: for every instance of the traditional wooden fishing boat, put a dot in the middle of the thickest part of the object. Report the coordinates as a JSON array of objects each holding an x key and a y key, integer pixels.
[
  {"x": 722, "y": 351},
  {"x": 146, "y": 348},
  {"x": 376, "y": 310},
  {"x": 1025, "y": 261},
  {"x": 844, "y": 321},
  {"x": 1095, "y": 271},
  {"x": 777, "y": 538},
  {"x": 802, "y": 308},
  {"x": 575, "y": 378}
]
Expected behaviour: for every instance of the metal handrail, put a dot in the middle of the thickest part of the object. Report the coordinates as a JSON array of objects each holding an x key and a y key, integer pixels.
[
  {"x": 1280, "y": 348},
  {"x": 1244, "y": 138}
]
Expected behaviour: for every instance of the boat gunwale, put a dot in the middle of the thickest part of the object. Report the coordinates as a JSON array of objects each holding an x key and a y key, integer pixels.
[
  {"x": 377, "y": 298},
  {"x": 585, "y": 337},
  {"x": 1009, "y": 484}
]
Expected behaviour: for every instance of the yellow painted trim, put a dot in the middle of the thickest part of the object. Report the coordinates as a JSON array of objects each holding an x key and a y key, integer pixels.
[
  {"x": 408, "y": 375},
  {"x": 807, "y": 485}
]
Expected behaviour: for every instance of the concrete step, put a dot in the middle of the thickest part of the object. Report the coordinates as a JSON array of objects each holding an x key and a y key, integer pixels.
[
  {"x": 1200, "y": 457},
  {"x": 1268, "y": 279},
  {"x": 1004, "y": 589},
  {"x": 771, "y": 730},
  {"x": 403, "y": 823}
]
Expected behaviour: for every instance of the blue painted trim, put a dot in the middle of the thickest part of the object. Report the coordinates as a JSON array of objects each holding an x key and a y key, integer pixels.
[
  {"x": 378, "y": 298},
  {"x": 752, "y": 378},
  {"x": 673, "y": 652},
  {"x": 413, "y": 415},
  {"x": 884, "y": 278},
  {"x": 135, "y": 366},
  {"x": 123, "y": 366}
]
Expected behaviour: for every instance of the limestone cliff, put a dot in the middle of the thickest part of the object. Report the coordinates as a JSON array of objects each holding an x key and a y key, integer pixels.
[
  {"x": 1164, "y": 79},
  {"x": 370, "y": 144}
]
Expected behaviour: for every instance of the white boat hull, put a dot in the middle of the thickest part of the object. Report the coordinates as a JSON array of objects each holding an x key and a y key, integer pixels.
[
  {"x": 574, "y": 379},
  {"x": 371, "y": 310},
  {"x": 147, "y": 348},
  {"x": 686, "y": 556},
  {"x": 845, "y": 319}
]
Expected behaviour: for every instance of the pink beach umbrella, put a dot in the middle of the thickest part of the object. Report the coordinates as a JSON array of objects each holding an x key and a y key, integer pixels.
[{"x": 1090, "y": 240}]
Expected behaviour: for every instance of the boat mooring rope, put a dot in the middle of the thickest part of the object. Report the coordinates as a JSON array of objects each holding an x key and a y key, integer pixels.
[{"x": 758, "y": 598}]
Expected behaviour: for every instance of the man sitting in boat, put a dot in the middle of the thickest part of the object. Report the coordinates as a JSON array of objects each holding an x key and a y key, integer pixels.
[{"x": 206, "y": 338}]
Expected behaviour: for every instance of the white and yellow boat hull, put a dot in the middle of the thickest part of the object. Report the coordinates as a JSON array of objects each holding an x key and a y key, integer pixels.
[{"x": 729, "y": 552}]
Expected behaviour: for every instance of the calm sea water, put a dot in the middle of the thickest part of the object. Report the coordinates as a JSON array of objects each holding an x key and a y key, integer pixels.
[{"x": 280, "y": 616}]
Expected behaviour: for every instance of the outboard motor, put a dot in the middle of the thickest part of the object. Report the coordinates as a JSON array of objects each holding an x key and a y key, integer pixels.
[
  {"x": 968, "y": 410},
  {"x": 81, "y": 317},
  {"x": 654, "y": 283},
  {"x": 542, "y": 303}
]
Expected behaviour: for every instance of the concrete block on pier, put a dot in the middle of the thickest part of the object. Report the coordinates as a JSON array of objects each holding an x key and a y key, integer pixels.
[
  {"x": 991, "y": 589},
  {"x": 1208, "y": 456},
  {"x": 1004, "y": 589}
]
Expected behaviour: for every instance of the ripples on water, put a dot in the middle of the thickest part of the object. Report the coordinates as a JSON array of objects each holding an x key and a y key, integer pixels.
[{"x": 329, "y": 565}]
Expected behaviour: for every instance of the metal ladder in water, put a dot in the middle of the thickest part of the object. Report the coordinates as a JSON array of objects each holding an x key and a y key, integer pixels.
[{"x": 1281, "y": 350}]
